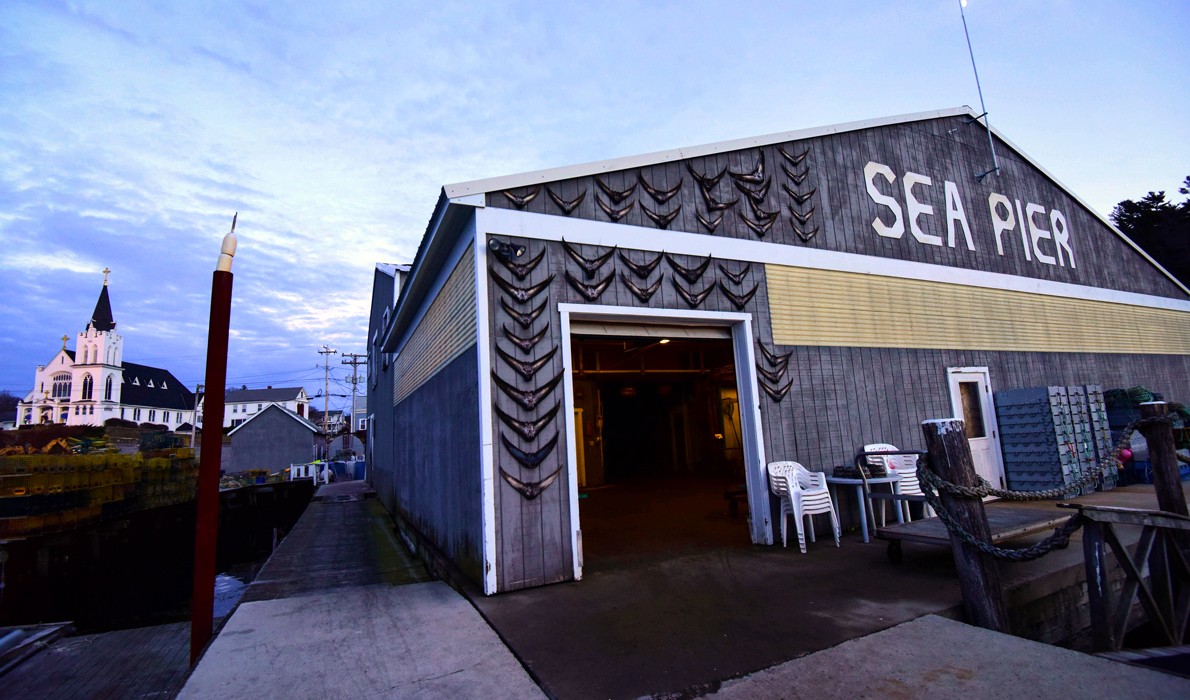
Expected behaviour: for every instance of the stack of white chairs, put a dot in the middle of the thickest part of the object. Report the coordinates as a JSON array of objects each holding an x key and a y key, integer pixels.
[{"x": 803, "y": 493}]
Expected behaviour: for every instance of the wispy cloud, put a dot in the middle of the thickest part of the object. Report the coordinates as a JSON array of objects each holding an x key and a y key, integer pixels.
[{"x": 131, "y": 132}]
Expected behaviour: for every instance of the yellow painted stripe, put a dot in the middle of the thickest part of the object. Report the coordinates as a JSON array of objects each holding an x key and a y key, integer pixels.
[
  {"x": 446, "y": 330},
  {"x": 847, "y": 309}
]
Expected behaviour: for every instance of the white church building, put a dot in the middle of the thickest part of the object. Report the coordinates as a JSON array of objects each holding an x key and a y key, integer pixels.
[{"x": 93, "y": 383}]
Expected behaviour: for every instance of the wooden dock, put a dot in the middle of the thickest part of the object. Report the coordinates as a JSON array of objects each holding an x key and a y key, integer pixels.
[
  {"x": 1005, "y": 523},
  {"x": 137, "y": 663}
]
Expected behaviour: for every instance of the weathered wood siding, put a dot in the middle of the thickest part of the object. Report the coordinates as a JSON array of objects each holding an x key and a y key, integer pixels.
[
  {"x": 843, "y": 398},
  {"x": 839, "y": 211},
  {"x": 845, "y": 309},
  {"x": 272, "y": 440},
  {"x": 444, "y": 332},
  {"x": 840, "y": 388},
  {"x": 533, "y": 534},
  {"x": 435, "y": 479},
  {"x": 380, "y": 465}
]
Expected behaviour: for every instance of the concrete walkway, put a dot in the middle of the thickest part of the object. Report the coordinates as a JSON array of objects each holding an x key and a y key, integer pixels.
[
  {"x": 337, "y": 613},
  {"x": 933, "y": 657},
  {"x": 340, "y": 610}
]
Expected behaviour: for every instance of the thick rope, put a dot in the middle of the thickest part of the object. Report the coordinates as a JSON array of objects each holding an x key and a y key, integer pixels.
[{"x": 932, "y": 485}]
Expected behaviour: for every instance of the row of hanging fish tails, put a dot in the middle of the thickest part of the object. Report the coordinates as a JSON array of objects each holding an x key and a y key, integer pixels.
[
  {"x": 764, "y": 193},
  {"x": 528, "y": 418}
]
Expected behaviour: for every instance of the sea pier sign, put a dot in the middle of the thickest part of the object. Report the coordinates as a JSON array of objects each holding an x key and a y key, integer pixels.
[{"x": 1043, "y": 234}]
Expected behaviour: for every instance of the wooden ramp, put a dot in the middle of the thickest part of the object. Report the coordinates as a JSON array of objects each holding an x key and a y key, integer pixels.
[
  {"x": 136, "y": 663},
  {"x": 1005, "y": 520}
]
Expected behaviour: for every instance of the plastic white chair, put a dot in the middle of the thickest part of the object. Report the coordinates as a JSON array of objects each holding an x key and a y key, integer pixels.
[
  {"x": 904, "y": 466},
  {"x": 802, "y": 493}
]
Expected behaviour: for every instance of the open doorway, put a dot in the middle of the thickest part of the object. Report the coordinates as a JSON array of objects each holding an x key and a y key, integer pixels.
[{"x": 659, "y": 445}]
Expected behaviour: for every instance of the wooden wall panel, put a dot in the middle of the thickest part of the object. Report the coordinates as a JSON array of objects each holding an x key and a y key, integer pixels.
[
  {"x": 433, "y": 480},
  {"x": 944, "y": 149},
  {"x": 824, "y": 307},
  {"x": 445, "y": 331}
]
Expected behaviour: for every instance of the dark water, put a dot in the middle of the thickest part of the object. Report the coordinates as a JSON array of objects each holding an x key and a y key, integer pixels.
[{"x": 138, "y": 570}]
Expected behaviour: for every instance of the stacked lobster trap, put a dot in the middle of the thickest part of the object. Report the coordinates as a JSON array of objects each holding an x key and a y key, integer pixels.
[{"x": 1051, "y": 436}]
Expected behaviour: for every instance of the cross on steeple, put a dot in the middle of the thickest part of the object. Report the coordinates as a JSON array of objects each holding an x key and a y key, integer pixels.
[
  {"x": 106, "y": 272},
  {"x": 64, "y": 339}
]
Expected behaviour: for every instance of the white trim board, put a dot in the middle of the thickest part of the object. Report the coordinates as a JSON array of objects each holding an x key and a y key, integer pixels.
[
  {"x": 507, "y": 222},
  {"x": 487, "y": 454}
]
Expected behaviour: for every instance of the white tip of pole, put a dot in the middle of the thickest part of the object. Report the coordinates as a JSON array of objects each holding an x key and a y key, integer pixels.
[{"x": 228, "y": 250}]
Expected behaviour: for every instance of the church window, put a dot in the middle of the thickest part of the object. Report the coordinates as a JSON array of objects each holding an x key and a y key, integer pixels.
[
  {"x": 135, "y": 381},
  {"x": 107, "y": 389},
  {"x": 152, "y": 415},
  {"x": 163, "y": 386},
  {"x": 149, "y": 384},
  {"x": 61, "y": 387},
  {"x": 86, "y": 354},
  {"x": 88, "y": 387},
  {"x": 258, "y": 406},
  {"x": 91, "y": 410},
  {"x": 121, "y": 413},
  {"x": 165, "y": 416},
  {"x": 136, "y": 414}
]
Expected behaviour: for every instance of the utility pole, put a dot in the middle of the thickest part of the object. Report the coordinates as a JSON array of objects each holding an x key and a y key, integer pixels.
[
  {"x": 355, "y": 361},
  {"x": 194, "y": 416},
  {"x": 326, "y": 396}
]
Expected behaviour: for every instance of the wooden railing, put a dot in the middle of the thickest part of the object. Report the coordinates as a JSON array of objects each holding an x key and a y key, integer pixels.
[{"x": 1164, "y": 593}]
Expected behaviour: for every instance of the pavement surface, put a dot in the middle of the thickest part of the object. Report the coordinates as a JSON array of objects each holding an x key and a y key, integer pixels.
[
  {"x": 358, "y": 617},
  {"x": 341, "y": 610},
  {"x": 940, "y": 658}
]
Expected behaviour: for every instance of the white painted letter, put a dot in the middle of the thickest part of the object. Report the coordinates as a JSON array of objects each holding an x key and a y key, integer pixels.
[
  {"x": 1036, "y": 234},
  {"x": 1024, "y": 231},
  {"x": 1061, "y": 236},
  {"x": 1000, "y": 224},
  {"x": 871, "y": 170},
  {"x": 955, "y": 212},
  {"x": 914, "y": 208}
]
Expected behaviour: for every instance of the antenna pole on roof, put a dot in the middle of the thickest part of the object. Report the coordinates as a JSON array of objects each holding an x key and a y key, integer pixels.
[{"x": 986, "y": 121}]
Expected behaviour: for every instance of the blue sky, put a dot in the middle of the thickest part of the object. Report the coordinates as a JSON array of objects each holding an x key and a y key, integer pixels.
[{"x": 130, "y": 132}]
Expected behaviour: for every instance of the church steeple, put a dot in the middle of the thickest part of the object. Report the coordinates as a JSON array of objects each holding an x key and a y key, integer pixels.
[{"x": 101, "y": 317}]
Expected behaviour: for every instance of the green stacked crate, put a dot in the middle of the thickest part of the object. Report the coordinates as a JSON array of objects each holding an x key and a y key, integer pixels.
[
  {"x": 1101, "y": 436},
  {"x": 1037, "y": 438}
]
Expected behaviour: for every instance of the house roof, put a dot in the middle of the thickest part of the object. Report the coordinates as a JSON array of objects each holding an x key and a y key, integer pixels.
[
  {"x": 101, "y": 317},
  {"x": 262, "y": 395},
  {"x": 153, "y": 386},
  {"x": 391, "y": 269},
  {"x": 276, "y": 407},
  {"x": 457, "y": 201}
]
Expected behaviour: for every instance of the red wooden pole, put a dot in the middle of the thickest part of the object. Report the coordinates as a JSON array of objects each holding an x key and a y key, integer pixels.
[{"x": 206, "y": 530}]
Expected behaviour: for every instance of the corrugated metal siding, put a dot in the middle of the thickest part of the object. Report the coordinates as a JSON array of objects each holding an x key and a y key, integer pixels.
[
  {"x": 844, "y": 309},
  {"x": 446, "y": 330}
]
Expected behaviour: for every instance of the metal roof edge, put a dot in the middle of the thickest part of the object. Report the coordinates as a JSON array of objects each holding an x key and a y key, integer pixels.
[
  {"x": 436, "y": 239},
  {"x": 504, "y": 182}
]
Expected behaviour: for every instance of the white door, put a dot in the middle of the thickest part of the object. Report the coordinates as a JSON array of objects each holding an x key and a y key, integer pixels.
[{"x": 971, "y": 400}]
